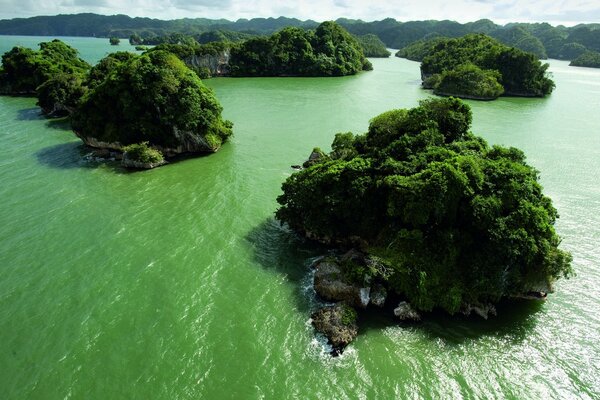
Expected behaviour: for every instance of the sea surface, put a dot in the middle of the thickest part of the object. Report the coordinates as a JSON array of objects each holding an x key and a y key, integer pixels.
[{"x": 177, "y": 283}]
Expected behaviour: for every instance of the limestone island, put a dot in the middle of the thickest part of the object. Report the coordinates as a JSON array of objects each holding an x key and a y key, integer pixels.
[
  {"x": 142, "y": 109},
  {"x": 590, "y": 59},
  {"x": 423, "y": 215},
  {"x": 329, "y": 50},
  {"x": 478, "y": 67}
]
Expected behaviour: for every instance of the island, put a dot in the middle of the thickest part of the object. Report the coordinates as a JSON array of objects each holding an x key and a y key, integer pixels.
[
  {"x": 589, "y": 59},
  {"x": 423, "y": 215},
  {"x": 476, "y": 66},
  {"x": 153, "y": 99},
  {"x": 143, "y": 109},
  {"x": 24, "y": 70},
  {"x": 372, "y": 46},
  {"x": 327, "y": 51}
]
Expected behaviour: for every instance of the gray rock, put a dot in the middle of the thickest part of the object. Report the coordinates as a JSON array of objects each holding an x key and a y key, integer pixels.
[
  {"x": 483, "y": 310},
  {"x": 378, "y": 295},
  {"x": 337, "y": 323},
  {"x": 405, "y": 312},
  {"x": 330, "y": 284}
]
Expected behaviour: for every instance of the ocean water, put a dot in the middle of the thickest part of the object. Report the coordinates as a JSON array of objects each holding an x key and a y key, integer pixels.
[{"x": 177, "y": 283}]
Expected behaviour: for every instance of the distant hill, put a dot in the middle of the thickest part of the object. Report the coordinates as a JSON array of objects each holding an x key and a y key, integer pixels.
[{"x": 542, "y": 39}]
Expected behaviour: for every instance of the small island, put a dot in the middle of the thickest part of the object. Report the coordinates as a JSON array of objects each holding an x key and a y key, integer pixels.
[
  {"x": 24, "y": 70},
  {"x": 424, "y": 215},
  {"x": 590, "y": 59},
  {"x": 327, "y": 51},
  {"x": 476, "y": 66},
  {"x": 373, "y": 46},
  {"x": 142, "y": 109}
]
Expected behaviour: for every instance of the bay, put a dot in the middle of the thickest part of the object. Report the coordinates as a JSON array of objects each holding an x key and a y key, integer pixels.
[{"x": 177, "y": 283}]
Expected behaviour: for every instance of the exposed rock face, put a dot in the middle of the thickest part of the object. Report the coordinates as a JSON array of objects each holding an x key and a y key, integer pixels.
[
  {"x": 464, "y": 96},
  {"x": 314, "y": 158},
  {"x": 217, "y": 64},
  {"x": 405, "y": 312},
  {"x": 188, "y": 143},
  {"x": 338, "y": 324},
  {"x": 330, "y": 285},
  {"x": 378, "y": 295},
  {"x": 483, "y": 310}
]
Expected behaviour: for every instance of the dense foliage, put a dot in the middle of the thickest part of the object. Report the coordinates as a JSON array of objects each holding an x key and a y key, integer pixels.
[
  {"x": 60, "y": 95},
  {"x": 154, "y": 98},
  {"x": 520, "y": 73},
  {"x": 453, "y": 220},
  {"x": 328, "y": 51},
  {"x": 24, "y": 69},
  {"x": 418, "y": 50},
  {"x": 539, "y": 38},
  {"x": 588, "y": 59},
  {"x": 372, "y": 46},
  {"x": 142, "y": 152},
  {"x": 114, "y": 41},
  {"x": 468, "y": 81}
]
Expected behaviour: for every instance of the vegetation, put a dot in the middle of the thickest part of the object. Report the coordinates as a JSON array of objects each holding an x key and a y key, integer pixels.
[
  {"x": 24, "y": 70},
  {"x": 114, "y": 41},
  {"x": 418, "y": 50},
  {"x": 153, "y": 97},
  {"x": 143, "y": 153},
  {"x": 60, "y": 95},
  {"x": 372, "y": 46},
  {"x": 453, "y": 220},
  {"x": 539, "y": 38},
  {"x": 588, "y": 59},
  {"x": 328, "y": 51},
  {"x": 469, "y": 81},
  {"x": 223, "y": 35},
  {"x": 519, "y": 73}
]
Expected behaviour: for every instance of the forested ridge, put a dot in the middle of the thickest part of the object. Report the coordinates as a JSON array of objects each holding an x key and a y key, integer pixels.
[{"x": 542, "y": 39}]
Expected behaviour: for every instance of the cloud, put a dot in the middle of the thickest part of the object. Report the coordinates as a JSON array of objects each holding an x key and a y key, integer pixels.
[{"x": 320, "y": 10}]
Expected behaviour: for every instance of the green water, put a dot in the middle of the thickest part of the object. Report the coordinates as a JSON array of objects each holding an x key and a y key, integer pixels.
[{"x": 176, "y": 283}]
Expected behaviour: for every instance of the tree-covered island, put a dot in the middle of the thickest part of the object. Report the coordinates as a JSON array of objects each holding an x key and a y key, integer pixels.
[
  {"x": 590, "y": 59},
  {"x": 149, "y": 107},
  {"x": 427, "y": 216},
  {"x": 476, "y": 66}
]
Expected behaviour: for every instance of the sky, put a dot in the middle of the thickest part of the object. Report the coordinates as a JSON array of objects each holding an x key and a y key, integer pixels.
[{"x": 567, "y": 12}]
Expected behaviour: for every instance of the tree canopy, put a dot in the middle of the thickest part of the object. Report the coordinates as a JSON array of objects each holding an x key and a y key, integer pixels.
[
  {"x": 588, "y": 59},
  {"x": 24, "y": 69},
  {"x": 518, "y": 72},
  {"x": 372, "y": 46},
  {"x": 328, "y": 51},
  {"x": 453, "y": 220},
  {"x": 151, "y": 98}
]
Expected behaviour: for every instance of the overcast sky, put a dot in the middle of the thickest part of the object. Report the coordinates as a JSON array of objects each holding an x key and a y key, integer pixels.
[{"x": 567, "y": 12}]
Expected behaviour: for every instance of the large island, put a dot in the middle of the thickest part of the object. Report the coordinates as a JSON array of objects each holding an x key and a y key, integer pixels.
[
  {"x": 425, "y": 216},
  {"x": 478, "y": 67}
]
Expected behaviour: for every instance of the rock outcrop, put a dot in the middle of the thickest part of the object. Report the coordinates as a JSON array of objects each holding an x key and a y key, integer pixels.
[
  {"x": 338, "y": 324},
  {"x": 332, "y": 285},
  {"x": 405, "y": 312},
  {"x": 188, "y": 143},
  {"x": 217, "y": 64}
]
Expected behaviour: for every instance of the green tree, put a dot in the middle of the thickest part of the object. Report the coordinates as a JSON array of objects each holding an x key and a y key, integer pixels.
[
  {"x": 152, "y": 98},
  {"x": 23, "y": 69},
  {"x": 453, "y": 220},
  {"x": 114, "y": 41}
]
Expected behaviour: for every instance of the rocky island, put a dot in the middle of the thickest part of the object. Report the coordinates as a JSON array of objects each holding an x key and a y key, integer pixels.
[
  {"x": 424, "y": 215},
  {"x": 590, "y": 59},
  {"x": 476, "y": 66},
  {"x": 149, "y": 107}
]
